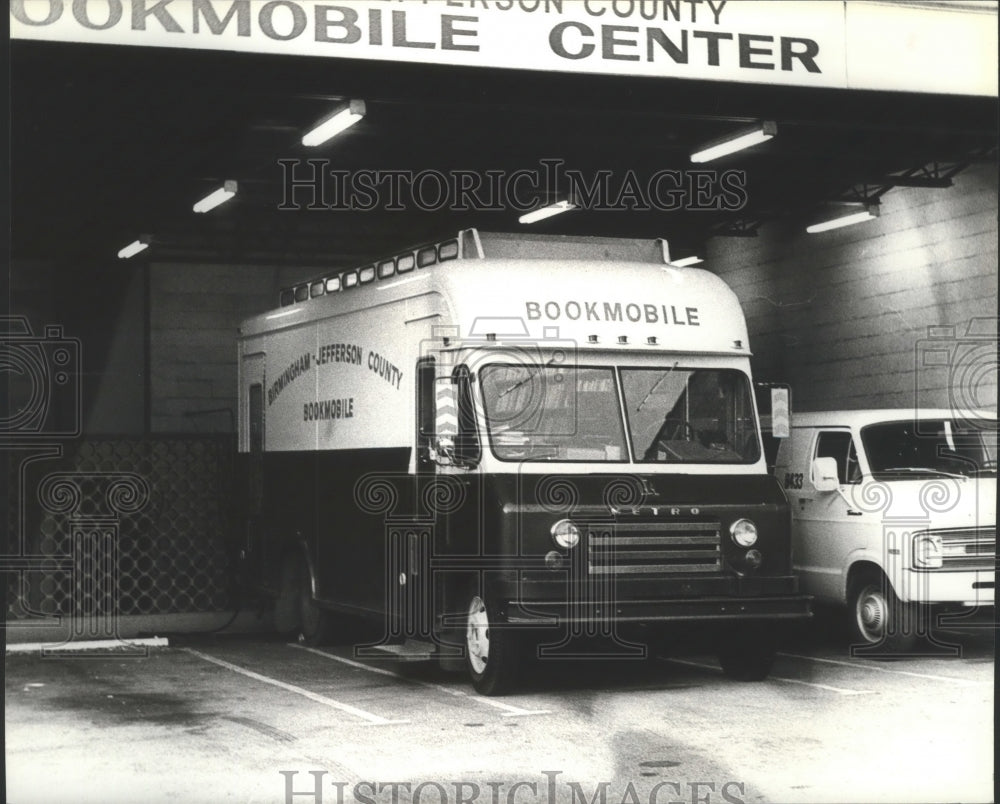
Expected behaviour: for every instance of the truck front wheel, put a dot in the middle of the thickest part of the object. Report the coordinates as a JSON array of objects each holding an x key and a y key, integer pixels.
[
  {"x": 878, "y": 617},
  {"x": 492, "y": 654}
]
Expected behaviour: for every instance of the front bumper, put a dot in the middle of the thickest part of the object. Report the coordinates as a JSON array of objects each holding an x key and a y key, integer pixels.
[
  {"x": 653, "y": 601},
  {"x": 973, "y": 587},
  {"x": 795, "y": 607}
]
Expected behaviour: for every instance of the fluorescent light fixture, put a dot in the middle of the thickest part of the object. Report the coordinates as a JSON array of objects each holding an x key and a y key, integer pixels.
[
  {"x": 134, "y": 247},
  {"x": 870, "y": 212},
  {"x": 686, "y": 261},
  {"x": 542, "y": 213},
  {"x": 219, "y": 196},
  {"x": 736, "y": 142},
  {"x": 334, "y": 123}
]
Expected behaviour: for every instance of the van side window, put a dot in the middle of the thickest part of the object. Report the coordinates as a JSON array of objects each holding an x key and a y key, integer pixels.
[{"x": 840, "y": 446}]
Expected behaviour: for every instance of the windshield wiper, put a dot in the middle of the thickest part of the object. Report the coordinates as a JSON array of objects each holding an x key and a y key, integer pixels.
[
  {"x": 655, "y": 385},
  {"x": 526, "y": 380},
  {"x": 923, "y": 470}
]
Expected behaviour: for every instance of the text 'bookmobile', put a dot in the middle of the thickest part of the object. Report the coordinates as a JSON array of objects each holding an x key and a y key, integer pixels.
[{"x": 499, "y": 442}]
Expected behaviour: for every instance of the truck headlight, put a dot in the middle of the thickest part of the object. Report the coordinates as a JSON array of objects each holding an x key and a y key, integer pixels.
[
  {"x": 927, "y": 551},
  {"x": 566, "y": 534},
  {"x": 744, "y": 532}
]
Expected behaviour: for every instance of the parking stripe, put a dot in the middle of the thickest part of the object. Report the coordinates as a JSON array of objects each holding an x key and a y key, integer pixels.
[
  {"x": 85, "y": 645},
  {"x": 367, "y": 717},
  {"x": 508, "y": 709},
  {"x": 964, "y": 682},
  {"x": 827, "y": 687}
]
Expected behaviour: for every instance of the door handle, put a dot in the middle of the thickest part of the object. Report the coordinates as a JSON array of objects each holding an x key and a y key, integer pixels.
[{"x": 853, "y": 513}]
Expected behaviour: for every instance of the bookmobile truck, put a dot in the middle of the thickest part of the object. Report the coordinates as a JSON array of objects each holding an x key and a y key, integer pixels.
[{"x": 498, "y": 443}]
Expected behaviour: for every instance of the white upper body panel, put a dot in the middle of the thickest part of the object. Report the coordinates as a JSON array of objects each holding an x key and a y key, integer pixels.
[{"x": 339, "y": 370}]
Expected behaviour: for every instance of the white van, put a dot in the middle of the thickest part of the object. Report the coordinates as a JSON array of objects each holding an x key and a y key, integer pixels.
[{"x": 892, "y": 513}]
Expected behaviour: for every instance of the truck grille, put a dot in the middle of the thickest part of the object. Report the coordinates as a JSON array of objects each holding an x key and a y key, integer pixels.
[
  {"x": 654, "y": 547},
  {"x": 969, "y": 548}
]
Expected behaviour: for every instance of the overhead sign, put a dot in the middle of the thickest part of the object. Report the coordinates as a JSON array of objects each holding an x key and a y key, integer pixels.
[{"x": 861, "y": 44}]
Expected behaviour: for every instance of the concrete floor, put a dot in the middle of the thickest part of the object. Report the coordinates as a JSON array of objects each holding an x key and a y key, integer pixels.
[{"x": 245, "y": 718}]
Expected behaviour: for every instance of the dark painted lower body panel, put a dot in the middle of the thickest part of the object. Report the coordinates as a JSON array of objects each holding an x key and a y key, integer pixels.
[
  {"x": 663, "y": 611},
  {"x": 414, "y": 548}
]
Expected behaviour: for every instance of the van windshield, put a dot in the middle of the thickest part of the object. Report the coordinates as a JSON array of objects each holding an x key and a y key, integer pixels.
[
  {"x": 942, "y": 446},
  {"x": 674, "y": 415}
]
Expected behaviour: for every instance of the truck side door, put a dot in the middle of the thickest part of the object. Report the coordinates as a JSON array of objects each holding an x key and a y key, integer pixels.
[
  {"x": 252, "y": 414},
  {"x": 826, "y": 527}
]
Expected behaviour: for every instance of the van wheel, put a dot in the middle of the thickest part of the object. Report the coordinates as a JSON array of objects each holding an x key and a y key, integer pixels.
[
  {"x": 492, "y": 655},
  {"x": 878, "y": 617},
  {"x": 315, "y": 624},
  {"x": 747, "y": 653}
]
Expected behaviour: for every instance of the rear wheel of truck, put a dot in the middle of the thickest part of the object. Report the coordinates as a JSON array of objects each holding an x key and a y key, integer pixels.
[
  {"x": 747, "y": 653},
  {"x": 286, "y": 608},
  {"x": 879, "y": 618},
  {"x": 492, "y": 655},
  {"x": 297, "y": 613}
]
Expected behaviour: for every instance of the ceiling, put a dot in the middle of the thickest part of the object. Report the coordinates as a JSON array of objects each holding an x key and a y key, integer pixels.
[{"x": 108, "y": 143}]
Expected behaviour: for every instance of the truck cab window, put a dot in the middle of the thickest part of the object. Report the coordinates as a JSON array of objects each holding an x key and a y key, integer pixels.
[
  {"x": 426, "y": 413},
  {"x": 467, "y": 447},
  {"x": 840, "y": 446}
]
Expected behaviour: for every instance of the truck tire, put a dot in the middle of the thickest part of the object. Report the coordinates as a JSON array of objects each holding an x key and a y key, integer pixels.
[
  {"x": 315, "y": 624},
  {"x": 878, "y": 617},
  {"x": 286, "y": 608},
  {"x": 747, "y": 653},
  {"x": 492, "y": 655},
  {"x": 451, "y": 653}
]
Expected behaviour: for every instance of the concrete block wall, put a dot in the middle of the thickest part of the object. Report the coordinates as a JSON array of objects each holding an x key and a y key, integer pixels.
[
  {"x": 100, "y": 306},
  {"x": 844, "y": 316},
  {"x": 195, "y": 311}
]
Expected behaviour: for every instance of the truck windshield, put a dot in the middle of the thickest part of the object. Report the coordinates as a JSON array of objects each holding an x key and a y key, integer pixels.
[
  {"x": 553, "y": 413},
  {"x": 675, "y": 415},
  {"x": 685, "y": 415},
  {"x": 942, "y": 446}
]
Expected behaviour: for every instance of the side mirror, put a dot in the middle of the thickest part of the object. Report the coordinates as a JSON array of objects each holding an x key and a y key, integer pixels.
[{"x": 823, "y": 474}]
